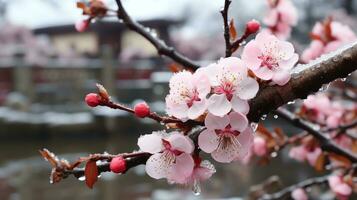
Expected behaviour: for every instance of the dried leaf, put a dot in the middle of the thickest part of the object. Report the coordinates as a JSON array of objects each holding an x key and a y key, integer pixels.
[
  {"x": 232, "y": 30},
  {"x": 91, "y": 173},
  {"x": 320, "y": 162},
  {"x": 280, "y": 135},
  {"x": 81, "y": 5},
  {"x": 103, "y": 92},
  {"x": 50, "y": 157},
  {"x": 343, "y": 161},
  {"x": 175, "y": 67}
]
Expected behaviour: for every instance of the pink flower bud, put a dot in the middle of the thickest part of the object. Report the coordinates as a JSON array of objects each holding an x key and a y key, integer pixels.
[
  {"x": 92, "y": 100},
  {"x": 118, "y": 165},
  {"x": 260, "y": 146},
  {"x": 299, "y": 194},
  {"x": 142, "y": 110},
  {"x": 252, "y": 26},
  {"x": 82, "y": 25}
]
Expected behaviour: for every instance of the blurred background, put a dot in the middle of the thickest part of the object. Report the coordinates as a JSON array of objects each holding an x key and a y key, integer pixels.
[{"x": 46, "y": 69}]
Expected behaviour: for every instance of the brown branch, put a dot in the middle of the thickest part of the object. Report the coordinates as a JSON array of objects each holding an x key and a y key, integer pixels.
[
  {"x": 342, "y": 128},
  {"x": 327, "y": 144},
  {"x": 286, "y": 192},
  {"x": 338, "y": 65},
  {"x": 227, "y": 38},
  {"x": 160, "y": 45}
]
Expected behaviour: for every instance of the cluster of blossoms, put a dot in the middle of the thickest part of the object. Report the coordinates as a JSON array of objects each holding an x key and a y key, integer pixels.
[
  {"x": 281, "y": 17},
  {"x": 339, "y": 186},
  {"x": 327, "y": 36},
  {"x": 218, "y": 96}
]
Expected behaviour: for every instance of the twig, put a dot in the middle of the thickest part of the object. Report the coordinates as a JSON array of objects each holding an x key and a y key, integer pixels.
[
  {"x": 160, "y": 45},
  {"x": 342, "y": 128},
  {"x": 284, "y": 193},
  {"x": 227, "y": 38},
  {"x": 326, "y": 143}
]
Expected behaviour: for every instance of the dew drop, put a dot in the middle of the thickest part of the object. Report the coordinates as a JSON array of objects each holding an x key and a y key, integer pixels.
[
  {"x": 263, "y": 117},
  {"x": 291, "y": 102},
  {"x": 196, "y": 188},
  {"x": 276, "y": 116},
  {"x": 343, "y": 79},
  {"x": 82, "y": 178},
  {"x": 274, "y": 154},
  {"x": 254, "y": 126}
]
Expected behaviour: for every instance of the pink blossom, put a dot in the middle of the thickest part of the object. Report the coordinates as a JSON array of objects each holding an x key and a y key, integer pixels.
[
  {"x": 199, "y": 170},
  {"x": 327, "y": 36},
  {"x": 303, "y": 153},
  {"x": 231, "y": 86},
  {"x": 323, "y": 111},
  {"x": 82, "y": 25},
  {"x": 260, "y": 146},
  {"x": 187, "y": 97},
  {"x": 280, "y": 18},
  {"x": 167, "y": 149},
  {"x": 299, "y": 194},
  {"x": 227, "y": 138},
  {"x": 270, "y": 58},
  {"x": 339, "y": 187}
]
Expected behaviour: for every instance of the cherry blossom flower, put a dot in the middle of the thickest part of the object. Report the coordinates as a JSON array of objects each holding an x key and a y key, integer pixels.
[
  {"x": 321, "y": 110},
  {"x": 227, "y": 138},
  {"x": 231, "y": 86},
  {"x": 270, "y": 58},
  {"x": 167, "y": 149},
  {"x": 187, "y": 97},
  {"x": 82, "y": 25},
  {"x": 303, "y": 153},
  {"x": 260, "y": 146},
  {"x": 281, "y": 16},
  {"x": 326, "y": 37},
  {"x": 339, "y": 187},
  {"x": 199, "y": 171},
  {"x": 299, "y": 194}
]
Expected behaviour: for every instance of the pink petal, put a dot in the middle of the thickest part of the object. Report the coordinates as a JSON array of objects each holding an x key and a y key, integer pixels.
[
  {"x": 205, "y": 171},
  {"x": 157, "y": 166},
  {"x": 313, "y": 156},
  {"x": 197, "y": 109},
  {"x": 246, "y": 140},
  {"x": 286, "y": 50},
  {"x": 213, "y": 122},
  {"x": 271, "y": 18},
  {"x": 290, "y": 63},
  {"x": 150, "y": 143},
  {"x": 259, "y": 146},
  {"x": 264, "y": 73},
  {"x": 240, "y": 105},
  {"x": 250, "y": 55},
  {"x": 343, "y": 189},
  {"x": 333, "y": 121},
  {"x": 208, "y": 141},
  {"x": 181, "y": 143},
  {"x": 219, "y": 105},
  {"x": 298, "y": 153},
  {"x": 299, "y": 194},
  {"x": 238, "y": 121},
  {"x": 334, "y": 181},
  {"x": 248, "y": 88},
  {"x": 234, "y": 64},
  {"x": 225, "y": 154},
  {"x": 281, "y": 77},
  {"x": 182, "y": 169}
]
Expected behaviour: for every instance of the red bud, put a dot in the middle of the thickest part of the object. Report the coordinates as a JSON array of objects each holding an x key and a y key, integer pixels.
[
  {"x": 92, "y": 100},
  {"x": 252, "y": 26},
  {"x": 142, "y": 110},
  {"x": 118, "y": 165}
]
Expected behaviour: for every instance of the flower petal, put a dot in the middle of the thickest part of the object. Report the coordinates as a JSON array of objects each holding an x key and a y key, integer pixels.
[
  {"x": 150, "y": 143},
  {"x": 219, "y": 105},
  {"x": 181, "y": 143},
  {"x": 225, "y": 153},
  {"x": 264, "y": 73},
  {"x": 250, "y": 55},
  {"x": 248, "y": 88},
  {"x": 197, "y": 109},
  {"x": 158, "y": 165},
  {"x": 238, "y": 121},
  {"x": 182, "y": 169},
  {"x": 246, "y": 140},
  {"x": 281, "y": 77},
  {"x": 240, "y": 105},
  {"x": 208, "y": 141},
  {"x": 213, "y": 122}
]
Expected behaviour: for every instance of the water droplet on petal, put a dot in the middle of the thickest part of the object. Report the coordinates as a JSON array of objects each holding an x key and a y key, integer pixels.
[
  {"x": 276, "y": 116},
  {"x": 196, "y": 189},
  {"x": 291, "y": 102},
  {"x": 82, "y": 178},
  {"x": 263, "y": 117},
  {"x": 274, "y": 154}
]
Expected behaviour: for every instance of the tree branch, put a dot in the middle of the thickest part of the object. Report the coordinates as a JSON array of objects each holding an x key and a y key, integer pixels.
[
  {"x": 309, "y": 79},
  {"x": 285, "y": 193},
  {"x": 227, "y": 38},
  {"x": 160, "y": 45},
  {"x": 327, "y": 144}
]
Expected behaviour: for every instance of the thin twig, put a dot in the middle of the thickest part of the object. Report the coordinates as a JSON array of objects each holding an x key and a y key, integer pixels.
[
  {"x": 227, "y": 38},
  {"x": 327, "y": 144},
  {"x": 160, "y": 45}
]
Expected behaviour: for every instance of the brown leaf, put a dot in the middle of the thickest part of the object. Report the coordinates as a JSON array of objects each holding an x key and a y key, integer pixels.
[
  {"x": 103, "y": 93},
  {"x": 175, "y": 67},
  {"x": 320, "y": 163},
  {"x": 232, "y": 30},
  {"x": 81, "y": 5},
  {"x": 345, "y": 162},
  {"x": 91, "y": 173},
  {"x": 281, "y": 137}
]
